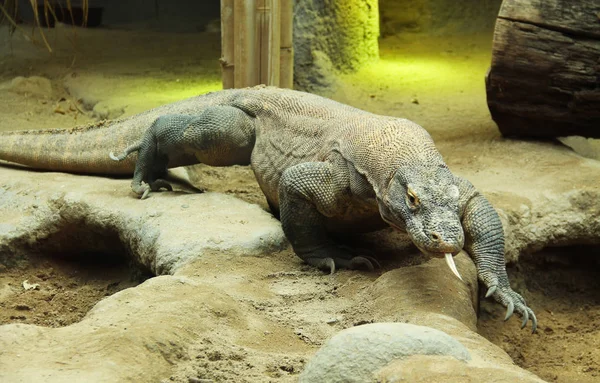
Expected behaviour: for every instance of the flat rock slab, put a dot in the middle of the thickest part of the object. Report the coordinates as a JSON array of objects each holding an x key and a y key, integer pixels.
[
  {"x": 65, "y": 212},
  {"x": 354, "y": 354}
]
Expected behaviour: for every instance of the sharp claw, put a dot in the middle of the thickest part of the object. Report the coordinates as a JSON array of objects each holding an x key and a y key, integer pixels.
[
  {"x": 373, "y": 261},
  {"x": 145, "y": 195},
  {"x": 509, "y": 310},
  {"x": 331, "y": 264},
  {"x": 362, "y": 261},
  {"x": 161, "y": 184},
  {"x": 452, "y": 265},
  {"x": 525, "y": 318},
  {"x": 491, "y": 291},
  {"x": 533, "y": 323}
]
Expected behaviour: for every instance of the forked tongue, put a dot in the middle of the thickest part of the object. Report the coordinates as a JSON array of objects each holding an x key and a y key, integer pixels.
[{"x": 452, "y": 265}]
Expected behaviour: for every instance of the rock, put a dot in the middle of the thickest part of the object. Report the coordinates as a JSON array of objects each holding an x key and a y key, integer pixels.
[
  {"x": 442, "y": 369},
  {"x": 34, "y": 86},
  {"x": 82, "y": 88},
  {"x": 161, "y": 235},
  {"x": 428, "y": 287},
  {"x": 355, "y": 354},
  {"x": 548, "y": 218},
  {"x": 107, "y": 110},
  {"x": 587, "y": 147},
  {"x": 344, "y": 32}
]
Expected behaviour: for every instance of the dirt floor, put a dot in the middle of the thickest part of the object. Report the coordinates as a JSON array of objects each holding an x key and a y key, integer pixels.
[
  {"x": 435, "y": 81},
  {"x": 563, "y": 285},
  {"x": 54, "y": 292}
]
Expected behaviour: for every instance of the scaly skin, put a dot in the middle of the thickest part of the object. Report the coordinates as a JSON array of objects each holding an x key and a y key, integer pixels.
[{"x": 323, "y": 166}]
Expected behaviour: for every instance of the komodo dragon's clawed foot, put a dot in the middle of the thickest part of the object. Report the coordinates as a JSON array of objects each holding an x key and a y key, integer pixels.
[
  {"x": 365, "y": 255},
  {"x": 143, "y": 189},
  {"x": 513, "y": 302},
  {"x": 343, "y": 260},
  {"x": 359, "y": 262}
]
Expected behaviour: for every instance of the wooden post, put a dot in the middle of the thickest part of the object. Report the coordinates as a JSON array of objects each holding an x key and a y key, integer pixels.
[
  {"x": 286, "y": 72},
  {"x": 251, "y": 43},
  {"x": 227, "y": 44},
  {"x": 246, "y": 72},
  {"x": 262, "y": 30},
  {"x": 271, "y": 62}
]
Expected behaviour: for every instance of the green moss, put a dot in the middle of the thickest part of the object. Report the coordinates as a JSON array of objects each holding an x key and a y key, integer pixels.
[
  {"x": 332, "y": 36},
  {"x": 357, "y": 27}
]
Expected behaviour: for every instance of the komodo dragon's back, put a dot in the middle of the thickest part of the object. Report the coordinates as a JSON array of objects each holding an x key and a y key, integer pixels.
[{"x": 85, "y": 149}]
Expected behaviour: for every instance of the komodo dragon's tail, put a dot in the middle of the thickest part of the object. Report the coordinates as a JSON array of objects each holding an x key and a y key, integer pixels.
[
  {"x": 77, "y": 150},
  {"x": 86, "y": 149}
]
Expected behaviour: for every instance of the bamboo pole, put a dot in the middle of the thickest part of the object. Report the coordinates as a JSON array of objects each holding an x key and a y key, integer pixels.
[
  {"x": 267, "y": 13},
  {"x": 227, "y": 44},
  {"x": 286, "y": 65},
  {"x": 246, "y": 59},
  {"x": 262, "y": 31},
  {"x": 273, "y": 39}
]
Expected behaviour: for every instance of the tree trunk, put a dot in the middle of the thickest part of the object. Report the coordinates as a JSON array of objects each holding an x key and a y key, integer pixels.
[{"x": 544, "y": 80}]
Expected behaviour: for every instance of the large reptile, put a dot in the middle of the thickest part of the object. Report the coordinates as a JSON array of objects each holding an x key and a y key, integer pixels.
[{"x": 323, "y": 166}]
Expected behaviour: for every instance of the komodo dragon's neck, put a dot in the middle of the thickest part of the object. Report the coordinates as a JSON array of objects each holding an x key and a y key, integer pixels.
[{"x": 378, "y": 151}]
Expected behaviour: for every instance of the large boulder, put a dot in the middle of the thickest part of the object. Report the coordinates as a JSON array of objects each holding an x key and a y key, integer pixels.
[{"x": 354, "y": 354}]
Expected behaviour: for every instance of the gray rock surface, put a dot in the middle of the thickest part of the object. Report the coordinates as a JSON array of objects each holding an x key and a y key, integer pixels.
[
  {"x": 107, "y": 110},
  {"x": 162, "y": 233},
  {"x": 429, "y": 295},
  {"x": 354, "y": 354}
]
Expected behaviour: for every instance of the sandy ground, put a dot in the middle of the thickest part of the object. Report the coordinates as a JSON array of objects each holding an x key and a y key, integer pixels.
[
  {"x": 67, "y": 288},
  {"x": 435, "y": 81}
]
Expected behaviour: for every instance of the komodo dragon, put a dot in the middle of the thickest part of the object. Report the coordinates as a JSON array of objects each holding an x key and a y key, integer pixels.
[{"x": 323, "y": 166}]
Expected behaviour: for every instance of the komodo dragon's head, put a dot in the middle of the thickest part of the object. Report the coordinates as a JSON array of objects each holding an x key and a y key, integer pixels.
[{"x": 423, "y": 201}]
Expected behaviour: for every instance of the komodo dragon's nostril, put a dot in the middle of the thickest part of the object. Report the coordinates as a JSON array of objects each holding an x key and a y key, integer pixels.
[{"x": 435, "y": 236}]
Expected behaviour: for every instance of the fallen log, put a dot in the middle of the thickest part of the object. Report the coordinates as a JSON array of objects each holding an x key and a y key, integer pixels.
[{"x": 544, "y": 80}]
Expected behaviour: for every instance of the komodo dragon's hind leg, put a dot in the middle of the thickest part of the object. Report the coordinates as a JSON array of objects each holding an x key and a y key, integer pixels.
[
  {"x": 219, "y": 136},
  {"x": 308, "y": 193}
]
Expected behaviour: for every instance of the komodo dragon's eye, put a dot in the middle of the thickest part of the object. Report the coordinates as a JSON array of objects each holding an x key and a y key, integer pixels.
[{"x": 412, "y": 198}]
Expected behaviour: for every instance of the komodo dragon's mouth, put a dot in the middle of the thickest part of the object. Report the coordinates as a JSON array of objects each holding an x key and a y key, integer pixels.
[{"x": 448, "y": 256}]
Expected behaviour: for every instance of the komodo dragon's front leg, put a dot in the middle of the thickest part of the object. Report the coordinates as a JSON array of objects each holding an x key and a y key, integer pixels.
[
  {"x": 309, "y": 193},
  {"x": 484, "y": 241},
  {"x": 219, "y": 136}
]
